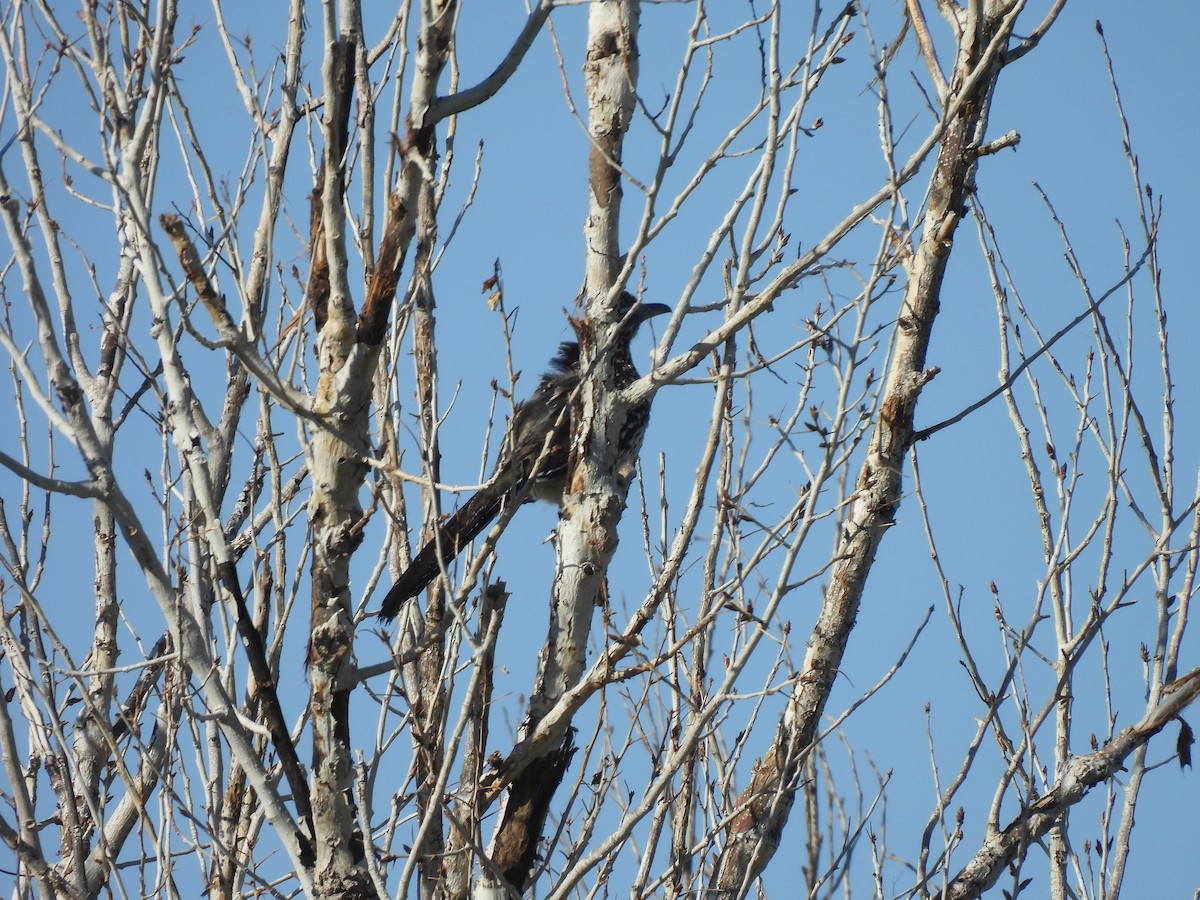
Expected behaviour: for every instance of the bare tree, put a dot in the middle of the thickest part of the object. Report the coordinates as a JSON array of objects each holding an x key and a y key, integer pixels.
[{"x": 222, "y": 380}]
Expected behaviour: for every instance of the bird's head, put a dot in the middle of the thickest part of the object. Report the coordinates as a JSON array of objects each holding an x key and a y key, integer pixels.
[{"x": 631, "y": 313}]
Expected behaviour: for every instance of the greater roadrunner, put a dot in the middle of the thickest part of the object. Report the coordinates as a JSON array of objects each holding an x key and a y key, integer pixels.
[{"x": 533, "y": 457}]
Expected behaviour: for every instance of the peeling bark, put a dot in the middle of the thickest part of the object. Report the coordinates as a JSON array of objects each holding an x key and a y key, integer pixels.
[
  {"x": 764, "y": 806},
  {"x": 595, "y": 496}
]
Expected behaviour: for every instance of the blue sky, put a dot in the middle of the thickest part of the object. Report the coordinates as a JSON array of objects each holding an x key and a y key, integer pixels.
[
  {"x": 1059, "y": 100},
  {"x": 527, "y": 215}
]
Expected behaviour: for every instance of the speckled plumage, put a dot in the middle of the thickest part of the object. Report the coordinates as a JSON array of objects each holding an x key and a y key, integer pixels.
[{"x": 533, "y": 457}]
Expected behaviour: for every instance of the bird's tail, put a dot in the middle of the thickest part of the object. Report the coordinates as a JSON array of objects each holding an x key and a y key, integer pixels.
[{"x": 459, "y": 530}]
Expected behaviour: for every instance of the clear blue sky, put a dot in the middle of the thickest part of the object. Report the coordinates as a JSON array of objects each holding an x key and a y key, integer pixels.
[
  {"x": 528, "y": 214},
  {"x": 1059, "y": 100}
]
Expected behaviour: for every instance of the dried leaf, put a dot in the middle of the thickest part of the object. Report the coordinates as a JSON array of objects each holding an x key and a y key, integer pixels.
[{"x": 1183, "y": 744}]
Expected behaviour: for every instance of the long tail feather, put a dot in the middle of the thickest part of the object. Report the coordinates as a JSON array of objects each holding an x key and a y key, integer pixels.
[{"x": 459, "y": 530}]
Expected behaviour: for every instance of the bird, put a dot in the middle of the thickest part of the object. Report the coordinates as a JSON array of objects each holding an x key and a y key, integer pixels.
[{"x": 534, "y": 455}]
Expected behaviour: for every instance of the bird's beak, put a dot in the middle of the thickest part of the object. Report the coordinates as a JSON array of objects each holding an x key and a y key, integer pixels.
[{"x": 650, "y": 310}]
